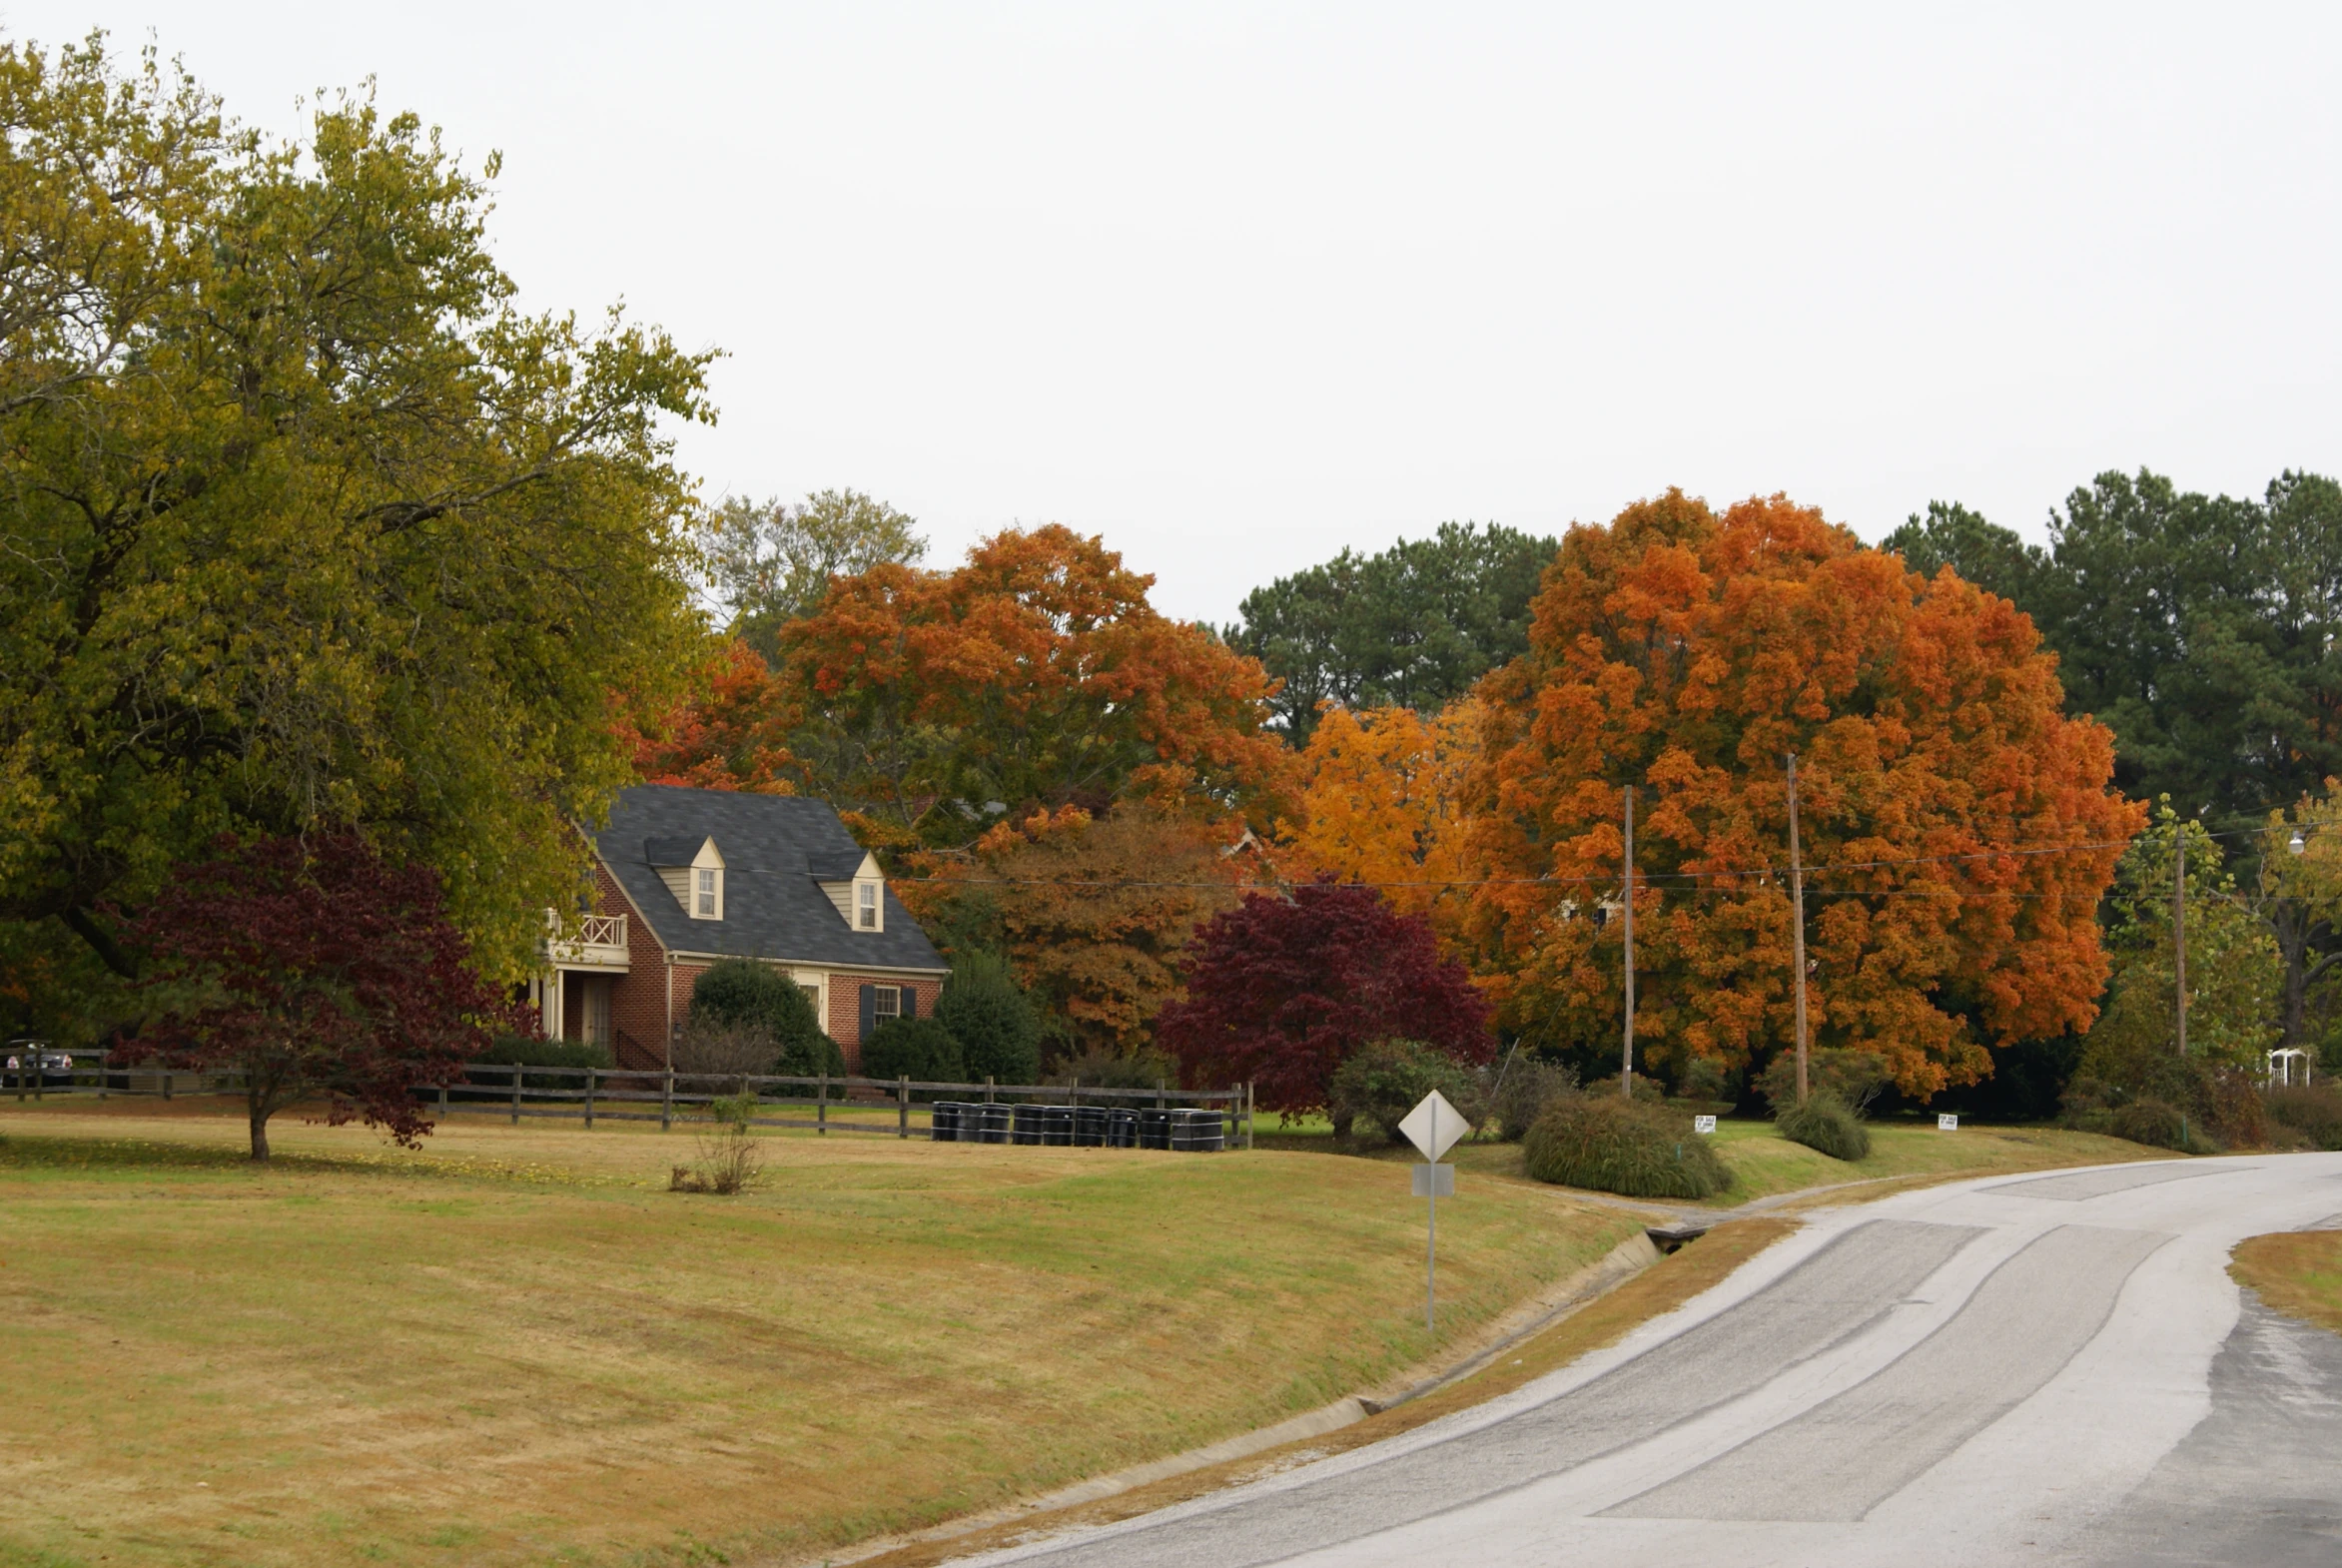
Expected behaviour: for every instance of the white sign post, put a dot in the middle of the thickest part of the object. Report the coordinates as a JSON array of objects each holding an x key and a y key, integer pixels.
[{"x": 1433, "y": 1128}]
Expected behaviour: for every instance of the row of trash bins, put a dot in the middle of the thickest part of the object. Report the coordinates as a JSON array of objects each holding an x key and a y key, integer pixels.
[{"x": 1081, "y": 1127}]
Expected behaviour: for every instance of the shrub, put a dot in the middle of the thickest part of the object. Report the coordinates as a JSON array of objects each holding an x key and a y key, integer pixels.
[
  {"x": 729, "y": 1160},
  {"x": 728, "y": 1050},
  {"x": 994, "y": 1021},
  {"x": 1615, "y": 1145},
  {"x": 1523, "y": 1092},
  {"x": 1704, "y": 1077},
  {"x": 2123, "y": 1068},
  {"x": 742, "y": 993},
  {"x": 1854, "y": 1076},
  {"x": 2315, "y": 1112},
  {"x": 920, "y": 1049},
  {"x": 530, "y": 1051},
  {"x": 1825, "y": 1123},
  {"x": 1105, "y": 1070},
  {"x": 1384, "y": 1081}
]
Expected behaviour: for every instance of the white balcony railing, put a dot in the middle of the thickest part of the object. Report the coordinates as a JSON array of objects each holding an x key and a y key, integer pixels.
[{"x": 594, "y": 941}]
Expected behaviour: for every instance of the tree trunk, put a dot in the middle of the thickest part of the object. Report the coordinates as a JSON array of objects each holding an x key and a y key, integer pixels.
[
  {"x": 2290, "y": 920},
  {"x": 260, "y": 1102}
]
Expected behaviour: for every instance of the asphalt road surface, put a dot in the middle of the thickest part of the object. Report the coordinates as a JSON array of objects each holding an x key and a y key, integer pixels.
[{"x": 2043, "y": 1369}]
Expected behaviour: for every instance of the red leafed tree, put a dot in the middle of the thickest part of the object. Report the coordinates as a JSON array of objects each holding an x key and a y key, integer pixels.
[
  {"x": 315, "y": 968},
  {"x": 1280, "y": 989}
]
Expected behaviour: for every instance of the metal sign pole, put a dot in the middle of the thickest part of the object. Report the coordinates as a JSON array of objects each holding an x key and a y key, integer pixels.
[{"x": 1431, "y": 1270}]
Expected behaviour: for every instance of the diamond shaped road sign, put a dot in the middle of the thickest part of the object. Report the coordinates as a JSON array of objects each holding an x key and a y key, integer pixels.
[{"x": 1434, "y": 1126}]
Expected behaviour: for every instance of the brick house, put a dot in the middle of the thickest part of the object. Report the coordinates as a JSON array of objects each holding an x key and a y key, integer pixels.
[{"x": 689, "y": 876}]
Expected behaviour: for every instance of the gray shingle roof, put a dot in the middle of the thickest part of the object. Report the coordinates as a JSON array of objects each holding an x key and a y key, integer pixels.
[{"x": 773, "y": 846}]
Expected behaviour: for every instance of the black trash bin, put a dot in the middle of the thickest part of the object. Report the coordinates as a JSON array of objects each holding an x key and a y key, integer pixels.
[
  {"x": 1056, "y": 1126},
  {"x": 1198, "y": 1131},
  {"x": 1090, "y": 1127},
  {"x": 1154, "y": 1127},
  {"x": 946, "y": 1114},
  {"x": 995, "y": 1122},
  {"x": 1122, "y": 1128},
  {"x": 1026, "y": 1128}
]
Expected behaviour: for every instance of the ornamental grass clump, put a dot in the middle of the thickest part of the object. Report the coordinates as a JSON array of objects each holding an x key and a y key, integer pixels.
[
  {"x": 1613, "y": 1144},
  {"x": 729, "y": 1160},
  {"x": 1825, "y": 1123}
]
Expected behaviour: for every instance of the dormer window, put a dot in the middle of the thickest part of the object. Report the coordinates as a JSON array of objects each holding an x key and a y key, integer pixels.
[
  {"x": 693, "y": 870},
  {"x": 866, "y": 906}
]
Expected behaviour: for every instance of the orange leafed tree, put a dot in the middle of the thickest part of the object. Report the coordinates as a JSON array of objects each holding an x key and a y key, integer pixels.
[
  {"x": 1943, "y": 797},
  {"x": 730, "y": 732},
  {"x": 1037, "y": 675},
  {"x": 1381, "y": 801},
  {"x": 1095, "y": 914}
]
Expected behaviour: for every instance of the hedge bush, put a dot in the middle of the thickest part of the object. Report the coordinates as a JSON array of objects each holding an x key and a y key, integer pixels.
[
  {"x": 1613, "y": 1144},
  {"x": 1825, "y": 1123},
  {"x": 1384, "y": 1079},
  {"x": 920, "y": 1049},
  {"x": 2160, "y": 1124},
  {"x": 1854, "y": 1076},
  {"x": 742, "y": 993},
  {"x": 2313, "y": 1111},
  {"x": 994, "y": 1021},
  {"x": 1524, "y": 1091}
]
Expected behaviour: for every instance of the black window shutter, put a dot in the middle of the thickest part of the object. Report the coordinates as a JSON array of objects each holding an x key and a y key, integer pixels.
[
  {"x": 910, "y": 1003},
  {"x": 869, "y": 1011}
]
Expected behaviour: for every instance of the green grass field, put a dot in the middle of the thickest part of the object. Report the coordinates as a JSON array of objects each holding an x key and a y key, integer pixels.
[{"x": 517, "y": 1347}]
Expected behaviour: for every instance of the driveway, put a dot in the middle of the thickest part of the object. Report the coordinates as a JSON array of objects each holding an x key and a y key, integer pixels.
[{"x": 2050, "y": 1368}]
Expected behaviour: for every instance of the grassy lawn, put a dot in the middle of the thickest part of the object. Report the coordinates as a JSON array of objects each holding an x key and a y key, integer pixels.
[
  {"x": 1764, "y": 1164},
  {"x": 517, "y": 1347},
  {"x": 2296, "y": 1272}
]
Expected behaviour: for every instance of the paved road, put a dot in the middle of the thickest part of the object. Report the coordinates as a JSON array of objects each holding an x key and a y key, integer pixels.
[{"x": 2052, "y": 1369}]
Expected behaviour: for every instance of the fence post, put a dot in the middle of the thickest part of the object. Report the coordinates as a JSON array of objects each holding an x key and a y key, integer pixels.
[
  {"x": 903, "y": 1105},
  {"x": 442, "y": 1097},
  {"x": 821, "y": 1106},
  {"x": 1248, "y": 1112},
  {"x": 1159, "y": 1094},
  {"x": 988, "y": 1088},
  {"x": 667, "y": 1101},
  {"x": 515, "y": 1093},
  {"x": 167, "y": 1076},
  {"x": 589, "y": 1076}
]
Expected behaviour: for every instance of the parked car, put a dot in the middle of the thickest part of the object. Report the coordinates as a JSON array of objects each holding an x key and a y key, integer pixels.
[{"x": 28, "y": 1057}]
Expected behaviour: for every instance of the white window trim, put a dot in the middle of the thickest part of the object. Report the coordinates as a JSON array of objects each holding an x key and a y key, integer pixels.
[
  {"x": 870, "y": 901},
  {"x": 709, "y": 859}
]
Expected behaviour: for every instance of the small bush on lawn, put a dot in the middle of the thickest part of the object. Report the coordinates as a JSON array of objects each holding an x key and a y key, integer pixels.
[
  {"x": 729, "y": 1160},
  {"x": 994, "y": 1021},
  {"x": 1523, "y": 1092},
  {"x": 2314, "y": 1111},
  {"x": 1705, "y": 1079},
  {"x": 1615, "y": 1145},
  {"x": 741, "y": 992},
  {"x": 919, "y": 1049},
  {"x": 1855, "y": 1077},
  {"x": 1824, "y": 1123},
  {"x": 1384, "y": 1079}
]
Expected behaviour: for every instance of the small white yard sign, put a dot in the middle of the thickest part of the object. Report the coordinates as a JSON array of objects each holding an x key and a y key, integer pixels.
[
  {"x": 1946, "y": 1123},
  {"x": 1703, "y": 1124}
]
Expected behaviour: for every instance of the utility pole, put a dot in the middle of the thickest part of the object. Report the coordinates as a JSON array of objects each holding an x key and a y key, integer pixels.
[
  {"x": 1625, "y": 1070},
  {"x": 2179, "y": 923},
  {"x": 1796, "y": 898}
]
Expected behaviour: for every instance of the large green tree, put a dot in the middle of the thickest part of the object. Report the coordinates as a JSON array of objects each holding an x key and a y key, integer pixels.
[
  {"x": 1410, "y": 627},
  {"x": 302, "y": 519}
]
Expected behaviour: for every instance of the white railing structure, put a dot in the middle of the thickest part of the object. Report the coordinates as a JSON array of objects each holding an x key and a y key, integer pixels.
[
  {"x": 596, "y": 942},
  {"x": 2288, "y": 1063}
]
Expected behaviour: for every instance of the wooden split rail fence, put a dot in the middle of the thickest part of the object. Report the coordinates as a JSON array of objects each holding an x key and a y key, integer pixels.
[{"x": 819, "y": 1104}]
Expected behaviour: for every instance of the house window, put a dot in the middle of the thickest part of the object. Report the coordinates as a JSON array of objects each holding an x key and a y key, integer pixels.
[
  {"x": 866, "y": 906},
  {"x": 708, "y": 894},
  {"x": 887, "y": 1002}
]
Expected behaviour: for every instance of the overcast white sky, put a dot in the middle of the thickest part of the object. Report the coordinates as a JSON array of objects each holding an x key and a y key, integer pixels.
[{"x": 1237, "y": 286}]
